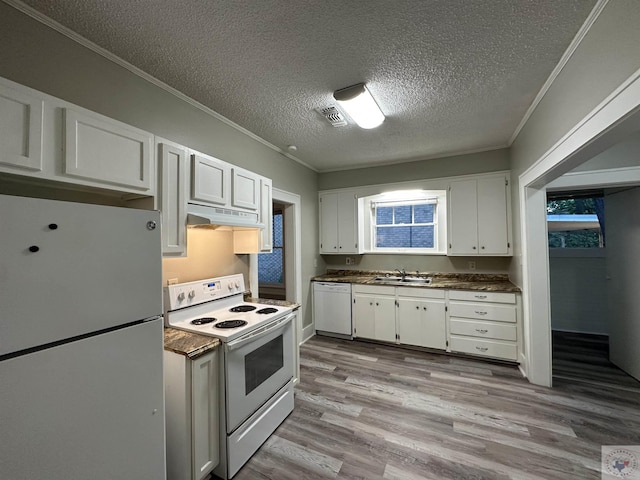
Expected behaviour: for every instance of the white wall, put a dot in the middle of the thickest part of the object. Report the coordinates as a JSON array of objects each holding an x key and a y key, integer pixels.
[
  {"x": 579, "y": 291},
  {"x": 623, "y": 267},
  {"x": 606, "y": 57}
]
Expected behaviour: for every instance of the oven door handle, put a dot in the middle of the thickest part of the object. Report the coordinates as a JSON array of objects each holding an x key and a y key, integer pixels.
[{"x": 250, "y": 337}]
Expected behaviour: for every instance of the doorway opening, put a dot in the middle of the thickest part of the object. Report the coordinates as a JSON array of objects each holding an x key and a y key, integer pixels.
[{"x": 272, "y": 276}]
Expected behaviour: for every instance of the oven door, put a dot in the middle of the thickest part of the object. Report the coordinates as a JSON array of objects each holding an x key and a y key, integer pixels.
[{"x": 257, "y": 365}]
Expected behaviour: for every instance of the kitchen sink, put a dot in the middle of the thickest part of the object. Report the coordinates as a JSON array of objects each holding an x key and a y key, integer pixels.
[{"x": 406, "y": 280}]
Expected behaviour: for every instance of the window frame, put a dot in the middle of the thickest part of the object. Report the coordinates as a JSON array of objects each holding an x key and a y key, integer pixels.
[{"x": 401, "y": 198}]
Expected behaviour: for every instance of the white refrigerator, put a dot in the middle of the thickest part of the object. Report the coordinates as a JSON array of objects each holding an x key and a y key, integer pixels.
[{"x": 81, "y": 387}]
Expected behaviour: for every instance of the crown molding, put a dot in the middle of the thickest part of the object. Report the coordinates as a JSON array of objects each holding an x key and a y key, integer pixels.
[{"x": 67, "y": 32}]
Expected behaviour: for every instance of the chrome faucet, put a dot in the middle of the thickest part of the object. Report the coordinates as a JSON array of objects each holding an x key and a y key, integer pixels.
[{"x": 402, "y": 272}]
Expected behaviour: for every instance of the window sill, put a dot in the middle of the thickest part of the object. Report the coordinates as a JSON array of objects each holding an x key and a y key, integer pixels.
[{"x": 577, "y": 252}]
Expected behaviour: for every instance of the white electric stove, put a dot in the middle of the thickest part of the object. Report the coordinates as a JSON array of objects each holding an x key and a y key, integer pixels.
[
  {"x": 215, "y": 307},
  {"x": 256, "y": 376}
]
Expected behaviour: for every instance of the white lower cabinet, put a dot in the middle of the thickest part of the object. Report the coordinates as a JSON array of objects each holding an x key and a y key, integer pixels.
[
  {"x": 374, "y": 313},
  {"x": 192, "y": 415},
  {"x": 460, "y": 321},
  {"x": 410, "y": 316},
  {"x": 484, "y": 323},
  {"x": 421, "y": 318}
]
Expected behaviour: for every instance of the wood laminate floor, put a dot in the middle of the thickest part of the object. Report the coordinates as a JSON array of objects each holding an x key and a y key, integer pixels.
[{"x": 367, "y": 411}]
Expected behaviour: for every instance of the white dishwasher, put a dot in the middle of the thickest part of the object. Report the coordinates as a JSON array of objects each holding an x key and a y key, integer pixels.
[{"x": 332, "y": 309}]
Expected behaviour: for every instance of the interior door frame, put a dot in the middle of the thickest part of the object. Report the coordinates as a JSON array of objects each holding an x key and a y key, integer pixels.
[{"x": 611, "y": 121}]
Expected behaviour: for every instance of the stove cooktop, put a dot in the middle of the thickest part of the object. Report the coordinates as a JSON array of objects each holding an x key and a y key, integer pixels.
[{"x": 223, "y": 321}]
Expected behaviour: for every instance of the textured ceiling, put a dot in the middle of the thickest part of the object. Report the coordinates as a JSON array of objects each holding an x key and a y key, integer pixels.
[{"x": 451, "y": 76}]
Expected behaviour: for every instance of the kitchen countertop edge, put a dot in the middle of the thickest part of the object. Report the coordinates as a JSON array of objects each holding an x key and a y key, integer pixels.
[{"x": 450, "y": 281}]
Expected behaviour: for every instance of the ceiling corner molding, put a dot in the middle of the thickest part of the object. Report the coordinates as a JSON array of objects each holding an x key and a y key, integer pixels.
[
  {"x": 586, "y": 26},
  {"x": 67, "y": 32},
  {"x": 404, "y": 160}
]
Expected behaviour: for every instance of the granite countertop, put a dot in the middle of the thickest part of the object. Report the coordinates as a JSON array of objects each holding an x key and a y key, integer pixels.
[
  {"x": 193, "y": 345},
  {"x": 189, "y": 344},
  {"x": 451, "y": 281}
]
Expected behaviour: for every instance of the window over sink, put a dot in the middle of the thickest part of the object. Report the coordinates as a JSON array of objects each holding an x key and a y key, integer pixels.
[{"x": 405, "y": 221}]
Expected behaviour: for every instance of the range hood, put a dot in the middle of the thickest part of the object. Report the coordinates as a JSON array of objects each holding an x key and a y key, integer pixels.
[{"x": 221, "y": 216}]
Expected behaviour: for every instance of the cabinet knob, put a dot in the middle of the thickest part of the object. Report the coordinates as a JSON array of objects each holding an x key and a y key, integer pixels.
[
  {"x": 53, "y": 226},
  {"x": 370, "y": 303},
  {"x": 424, "y": 308},
  {"x": 474, "y": 247},
  {"x": 34, "y": 248},
  {"x": 377, "y": 304},
  {"x": 417, "y": 307},
  {"x": 482, "y": 247}
]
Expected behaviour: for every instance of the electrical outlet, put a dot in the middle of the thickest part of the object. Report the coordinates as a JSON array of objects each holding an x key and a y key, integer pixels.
[
  {"x": 349, "y": 261},
  {"x": 172, "y": 281},
  {"x": 472, "y": 265}
]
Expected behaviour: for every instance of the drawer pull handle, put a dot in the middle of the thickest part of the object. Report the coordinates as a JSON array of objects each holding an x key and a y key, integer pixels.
[
  {"x": 482, "y": 349},
  {"x": 480, "y": 312},
  {"x": 481, "y": 330},
  {"x": 480, "y": 296}
]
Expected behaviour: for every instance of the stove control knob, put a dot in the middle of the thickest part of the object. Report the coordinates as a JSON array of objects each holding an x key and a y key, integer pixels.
[
  {"x": 230, "y": 285},
  {"x": 181, "y": 296},
  {"x": 192, "y": 294},
  {"x": 237, "y": 284}
]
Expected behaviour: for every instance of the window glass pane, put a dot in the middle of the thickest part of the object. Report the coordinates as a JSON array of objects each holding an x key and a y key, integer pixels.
[
  {"x": 424, "y": 213},
  {"x": 278, "y": 231},
  {"x": 402, "y": 214},
  {"x": 393, "y": 237},
  {"x": 422, "y": 237},
  {"x": 384, "y": 215},
  {"x": 270, "y": 266}
]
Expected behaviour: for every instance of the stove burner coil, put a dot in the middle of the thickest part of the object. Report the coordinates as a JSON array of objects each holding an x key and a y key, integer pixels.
[
  {"x": 267, "y": 310},
  {"x": 231, "y": 324},
  {"x": 203, "y": 321},
  {"x": 242, "y": 308}
]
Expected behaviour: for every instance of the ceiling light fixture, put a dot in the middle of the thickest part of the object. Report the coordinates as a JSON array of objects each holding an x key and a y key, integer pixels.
[{"x": 360, "y": 105}]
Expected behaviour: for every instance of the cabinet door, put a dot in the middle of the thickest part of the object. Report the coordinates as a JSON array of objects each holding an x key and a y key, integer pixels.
[
  {"x": 245, "y": 189},
  {"x": 104, "y": 152},
  {"x": 172, "y": 171},
  {"x": 463, "y": 218},
  {"x": 493, "y": 238},
  {"x": 204, "y": 408},
  {"x": 210, "y": 179},
  {"x": 410, "y": 321},
  {"x": 385, "y": 318},
  {"x": 266, "y": 215},
  {"x": 329, "y": 223},
  {"x": 422, "y": 323},
  {"x": 364, "y": 316},
  {"x": 434, "y": 334},
  {"x": 20, "y": 131},
  {"x": 347, "y": 223}
]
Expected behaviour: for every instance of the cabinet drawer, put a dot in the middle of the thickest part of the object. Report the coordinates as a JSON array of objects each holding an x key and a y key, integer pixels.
[
  {"x": 486, "y": 348},
  {"x": 376, "y": 289},
  {"x": 417, "y": 292},
  {"x": 498, "y": 331},
  {"x": 482, "y": 311},
  {"x": 482, "y": 296}
]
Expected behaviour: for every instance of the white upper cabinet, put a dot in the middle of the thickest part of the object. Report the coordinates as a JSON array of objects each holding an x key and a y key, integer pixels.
[
  {"x": 479, "y": 220},
  {"x": 266, "y": 215},
  {"x": 210, "y": 180},
  {"x": 172, "y": 196},
  {"x": 21, "y": 117},
  {"x": 106, "y": 153},
  {"x": 245, "y": 189},
  {"x": 338, "y": 223}
]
